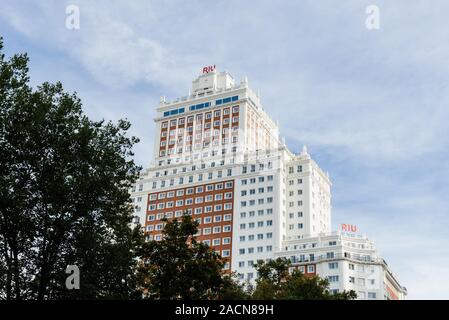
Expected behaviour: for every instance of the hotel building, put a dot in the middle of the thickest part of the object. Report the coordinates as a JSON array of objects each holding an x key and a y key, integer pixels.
[{"x": 218, "y": 156}]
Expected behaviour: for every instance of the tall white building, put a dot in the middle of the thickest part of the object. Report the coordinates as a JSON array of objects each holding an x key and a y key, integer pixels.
[{"x": 219, "y": 156}]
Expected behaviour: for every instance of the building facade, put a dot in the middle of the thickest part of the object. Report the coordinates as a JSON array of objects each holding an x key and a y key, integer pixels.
[{"x": 218, "y": 156}]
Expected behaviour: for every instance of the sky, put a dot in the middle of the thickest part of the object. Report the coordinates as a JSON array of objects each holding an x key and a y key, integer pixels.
[{"x": 372, "y": 105}]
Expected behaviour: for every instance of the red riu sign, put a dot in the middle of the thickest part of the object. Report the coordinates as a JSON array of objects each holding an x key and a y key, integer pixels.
[
  {"x": 208, "y": 69},
  {"x": 348, "y": 227}
]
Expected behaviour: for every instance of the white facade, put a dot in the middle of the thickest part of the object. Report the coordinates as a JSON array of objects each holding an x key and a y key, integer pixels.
[
  {"x": 220, "y": 133},
  {"x": 349, "y": 261}
]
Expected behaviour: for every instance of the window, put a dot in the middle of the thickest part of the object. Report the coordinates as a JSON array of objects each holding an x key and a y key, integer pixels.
[
  {"x": 311, "y": 269},
  {"x": 371, "y": 295},
  {"x": 207, "y": 220},
  {"x": 219, "y": 186},
  {"x": 199, "y": 200},
  {"x": 332, "y": 278},
  {"x": 333, "y": 265}
]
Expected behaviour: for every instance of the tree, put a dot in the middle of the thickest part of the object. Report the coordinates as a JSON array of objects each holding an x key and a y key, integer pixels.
[
  {"x": 271, "y": 275},
  {"x": 276, "y": 282},
  {"x": 64, "y": 199},
  {"x": 232, "y": 289},
  {"x": 180, "y": 267}
]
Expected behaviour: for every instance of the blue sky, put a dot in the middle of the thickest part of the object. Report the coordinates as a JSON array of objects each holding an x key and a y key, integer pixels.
[{"x": 371, "y": 105}]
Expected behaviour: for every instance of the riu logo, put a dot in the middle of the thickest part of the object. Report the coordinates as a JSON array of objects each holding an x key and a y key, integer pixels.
[
  {"x": 348, "y": 227},
  {"x": 208, "y": 69}
]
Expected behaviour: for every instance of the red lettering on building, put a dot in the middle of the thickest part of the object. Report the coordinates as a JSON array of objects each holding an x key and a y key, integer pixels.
[
  {"x": 208, "y": 69},
  {"x": 348, "y": 227}
]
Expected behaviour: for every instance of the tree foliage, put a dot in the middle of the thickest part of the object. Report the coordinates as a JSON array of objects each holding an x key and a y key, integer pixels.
[
  {"x": 276, "y": 282},
  {"x": 64, "y": 200},
  {"x": 180, "y": 267}
]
